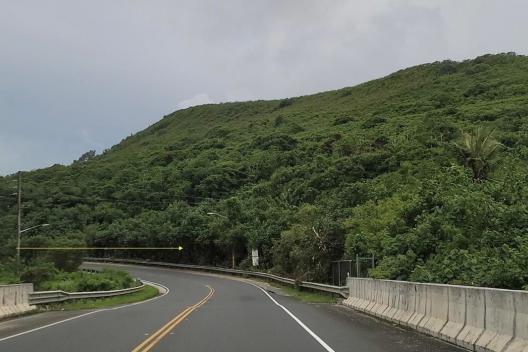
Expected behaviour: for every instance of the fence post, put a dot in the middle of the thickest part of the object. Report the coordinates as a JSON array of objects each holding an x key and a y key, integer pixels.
[
  {"x": 339, "y": 273},
  {"x": 357, "y": 265},
  {"x": 333, "y": 274}
]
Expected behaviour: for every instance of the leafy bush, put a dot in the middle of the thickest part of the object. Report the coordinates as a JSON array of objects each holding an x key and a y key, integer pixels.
[
  {"x": 281, "y": 142},
  {"x": 38, "y": 272},
  {"x": 80, "y": 281},
  {"x": 476, "y": 90},
  {"x": 67, "y": 260},
  {"x": 343, "y": 119},
  {"x": 302, "y": 250},
  {"x": 7, "y": 274},
  {"x": 286, "y": 102},
  {"x": 447, "y": 67},
  {"x": 476, "y": 68},
  {"x": 279, "y": 121},
  {"x": 373, "y": 121}
]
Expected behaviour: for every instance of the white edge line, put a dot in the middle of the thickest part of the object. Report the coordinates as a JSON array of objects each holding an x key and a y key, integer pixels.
[
  {"x": 89, "y": 313},
  {"x": 308, "y": 330},
  {"x": 167, "y": 290},
  {"x": 297, "y": 320}
]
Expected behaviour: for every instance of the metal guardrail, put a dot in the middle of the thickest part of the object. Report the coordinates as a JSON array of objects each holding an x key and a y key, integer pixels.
[
  {"x": 338, "y": 290},
  {"x": 46, "y": 297}
]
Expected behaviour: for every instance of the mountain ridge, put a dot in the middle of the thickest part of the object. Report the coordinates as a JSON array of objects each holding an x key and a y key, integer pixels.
[{"x": 372, "y": 169}]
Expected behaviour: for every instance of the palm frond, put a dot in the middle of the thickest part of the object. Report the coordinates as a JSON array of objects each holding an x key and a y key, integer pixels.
[{"x": 479, "y": 149}]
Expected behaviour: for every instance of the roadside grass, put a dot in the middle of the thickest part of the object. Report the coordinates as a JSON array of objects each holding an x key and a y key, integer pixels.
[
  {"x": 306, "y": 295},
  {"x": 146, "y": 293}
]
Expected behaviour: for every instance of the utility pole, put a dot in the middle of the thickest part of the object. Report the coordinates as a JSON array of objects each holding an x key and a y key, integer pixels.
[{"x": 19, "y": 229}]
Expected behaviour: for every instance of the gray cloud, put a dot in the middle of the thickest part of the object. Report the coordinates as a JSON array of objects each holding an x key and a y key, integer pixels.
[{"x": 79, "y": 75}]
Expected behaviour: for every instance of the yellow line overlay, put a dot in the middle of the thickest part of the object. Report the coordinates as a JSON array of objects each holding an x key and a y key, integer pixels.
[
  {"x": 86, "y": 248},
  {"x": 156, "y": 337}
]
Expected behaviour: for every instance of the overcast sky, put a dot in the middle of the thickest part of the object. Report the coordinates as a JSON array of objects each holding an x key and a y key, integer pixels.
[{"x": 81, "y": 75}]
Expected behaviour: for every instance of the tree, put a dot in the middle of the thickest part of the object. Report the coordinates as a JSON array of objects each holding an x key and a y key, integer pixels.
[
  {"x": 308, "y": 246},
  {"x": 479, "y": 150},
  {"x": 67, "y": 260},
  {"x": 86, "y": 156},
  {"x": 230, "y": 228}
]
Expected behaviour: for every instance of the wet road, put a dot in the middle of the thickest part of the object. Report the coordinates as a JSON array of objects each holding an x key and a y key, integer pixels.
[{"x": 203, "y": 312}]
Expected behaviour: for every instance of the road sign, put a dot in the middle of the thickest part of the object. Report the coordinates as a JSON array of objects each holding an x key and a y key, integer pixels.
[{"x": 255, "y": 257}]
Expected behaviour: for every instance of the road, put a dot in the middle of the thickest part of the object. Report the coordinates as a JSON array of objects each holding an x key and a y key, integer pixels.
[{"x": 202, "y": 312}]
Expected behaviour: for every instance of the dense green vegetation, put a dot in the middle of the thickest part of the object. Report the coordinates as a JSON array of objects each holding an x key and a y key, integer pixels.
[
  {"x": 396, "y": 167},
  {"x": 46, "y": 276},
  {"x": 80, "y": 281},
  {"x": 8, "y": 276},
  {"x": 97, "y": 303}
]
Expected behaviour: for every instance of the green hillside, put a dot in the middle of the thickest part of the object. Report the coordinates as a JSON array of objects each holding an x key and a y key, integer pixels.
[{"x": 376, "y": 169}]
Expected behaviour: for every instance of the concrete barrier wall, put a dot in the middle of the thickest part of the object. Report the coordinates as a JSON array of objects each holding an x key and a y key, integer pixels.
[
  {"x": 14, "y": 300},
  {"x": 476, "y": 318}
]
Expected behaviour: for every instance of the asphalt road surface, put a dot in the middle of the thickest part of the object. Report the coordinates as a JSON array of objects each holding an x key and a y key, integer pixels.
[{"x": 203, "y": 312}]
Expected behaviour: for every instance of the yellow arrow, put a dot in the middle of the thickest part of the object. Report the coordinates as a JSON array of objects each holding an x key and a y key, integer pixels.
[{"x": 87, "y": 248}]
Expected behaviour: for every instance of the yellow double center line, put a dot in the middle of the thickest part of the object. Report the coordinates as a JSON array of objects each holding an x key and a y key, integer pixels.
[{"x": 165, "y": 329}]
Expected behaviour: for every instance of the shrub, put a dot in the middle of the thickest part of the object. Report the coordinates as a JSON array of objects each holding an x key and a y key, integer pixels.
[
  {"x": 447, "y": 67},
  {"x": 38, "y": 272},
  {"x": 285, "y": 102},
  {"x": 373, "y": 121},
  {"x": 281, "y": 142},
  {"x": 341, "y": 120},
  {"x": 278, "y": 121},
  {"x": 7, "y": 275},
  {"x": 476, "y": 90},
  {"x": 80, "y": 281},
  {"x": 67, "y": 260}
]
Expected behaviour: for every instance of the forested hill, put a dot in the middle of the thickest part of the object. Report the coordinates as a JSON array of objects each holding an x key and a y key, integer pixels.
[{"x": 403, "y": 168}]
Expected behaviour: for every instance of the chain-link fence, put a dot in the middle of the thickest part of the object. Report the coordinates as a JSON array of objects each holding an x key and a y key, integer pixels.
[{"x": 358, "y": 267}]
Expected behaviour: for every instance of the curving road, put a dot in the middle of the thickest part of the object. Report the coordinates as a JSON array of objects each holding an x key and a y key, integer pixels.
[{"x": 202, "y": 312}]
